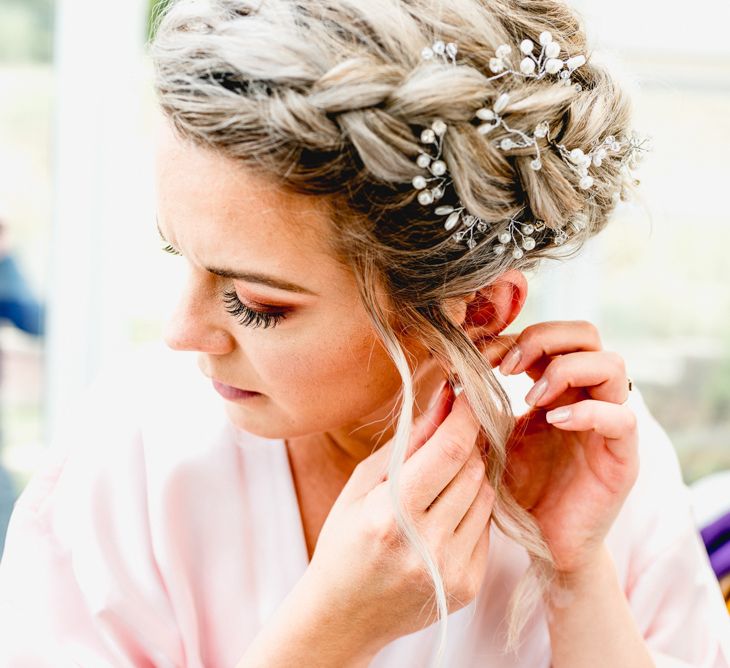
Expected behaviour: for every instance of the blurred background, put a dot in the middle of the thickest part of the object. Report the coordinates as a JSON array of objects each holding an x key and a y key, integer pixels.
[{"x": 84, "y": 279}]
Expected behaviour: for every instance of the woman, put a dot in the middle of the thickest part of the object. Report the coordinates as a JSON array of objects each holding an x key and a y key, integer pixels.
[{"x": 357, "y": 189}]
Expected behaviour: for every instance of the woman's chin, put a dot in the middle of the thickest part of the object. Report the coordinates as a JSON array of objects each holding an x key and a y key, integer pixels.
[{"x": 253, "y": 421}]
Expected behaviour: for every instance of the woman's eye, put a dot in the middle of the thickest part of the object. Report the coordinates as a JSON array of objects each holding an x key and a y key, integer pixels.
[{"x": 248, "y": 316}]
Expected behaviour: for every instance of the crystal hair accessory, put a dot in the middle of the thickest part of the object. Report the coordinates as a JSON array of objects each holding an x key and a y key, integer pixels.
[
  {"x": 446, "y": 52},
  {"x": 536, "y": 67},
  {"x": 433, "y": 187},
  {"x": 531, "y": 67},
  {"x": 519, "y": 234}
]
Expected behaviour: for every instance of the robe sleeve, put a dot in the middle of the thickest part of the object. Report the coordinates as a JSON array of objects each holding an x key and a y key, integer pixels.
[
  {"x": 672, "y": 589},
  {"x": 79, "y": 585}
]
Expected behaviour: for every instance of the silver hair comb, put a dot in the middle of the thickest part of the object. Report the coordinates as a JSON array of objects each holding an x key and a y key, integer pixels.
[{"x": 518, "y": 234}]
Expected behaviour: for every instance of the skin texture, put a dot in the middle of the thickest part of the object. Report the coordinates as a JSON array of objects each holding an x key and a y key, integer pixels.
[
  {"x": 320, "y": 370},
  {"x": 577, "y": 472},
  {"x": 328, "y": 388}
]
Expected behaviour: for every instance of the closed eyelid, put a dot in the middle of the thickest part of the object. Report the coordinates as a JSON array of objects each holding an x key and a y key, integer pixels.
[{"x": 258, "y": 304}]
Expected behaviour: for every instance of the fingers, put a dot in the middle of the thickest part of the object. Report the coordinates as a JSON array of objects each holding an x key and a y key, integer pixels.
[
  {"x": 422, "y": 429},
  {"x": 495, "y": 348},
  {"x": 615, "y": 423},
  {"x": 373, "y": 470},
  {"x": 450, "y": 507},
  {"x": 476, "y": 517},
  {"x": 546, "y": 339},
  {"x": 432, "y": 467},
  {"x": 602, "y": 374},
  {"x": 480, "y": 556},
  {"x": 470, "y": 541},
  {"x": 426, "y": 424}
]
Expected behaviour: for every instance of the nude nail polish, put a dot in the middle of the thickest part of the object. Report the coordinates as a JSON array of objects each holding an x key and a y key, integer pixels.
[
  {"x": 537, "y": 390},
  {"x": 510, "y": 362},
  {"x": 558, "y": 415}
]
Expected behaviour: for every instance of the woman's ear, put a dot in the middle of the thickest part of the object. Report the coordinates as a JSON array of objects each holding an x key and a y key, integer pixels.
[{"x": 491, "y": 309}]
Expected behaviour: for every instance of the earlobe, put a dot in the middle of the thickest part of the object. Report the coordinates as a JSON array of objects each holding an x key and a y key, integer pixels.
[{"x": 496, "y": 305}]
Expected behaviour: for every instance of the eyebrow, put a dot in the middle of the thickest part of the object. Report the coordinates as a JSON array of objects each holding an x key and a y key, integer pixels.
[{"x": 252, "y": 277}]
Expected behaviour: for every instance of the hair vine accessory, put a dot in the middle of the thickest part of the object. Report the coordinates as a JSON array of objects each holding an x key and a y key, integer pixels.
[
  {"x": 446, "y": 52},
  {"x": 536, "y": 67},
  {"x": 548, "y": 61},
  {"x": 431, "y": 160},
  {"x": 531, "y": 67},
  {"x": 518, "y": 234}
]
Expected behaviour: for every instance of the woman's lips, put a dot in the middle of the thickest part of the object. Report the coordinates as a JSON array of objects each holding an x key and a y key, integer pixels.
[{"x": 232, "y": 393}]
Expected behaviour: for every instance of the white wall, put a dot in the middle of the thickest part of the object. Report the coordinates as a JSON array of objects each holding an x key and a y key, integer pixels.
[
  {"x": 697, "y": 28},
  {"x": 98, "y": 76}
]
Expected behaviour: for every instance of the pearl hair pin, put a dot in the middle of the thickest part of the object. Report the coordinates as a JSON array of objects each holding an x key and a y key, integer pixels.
[
  {"x": 439, "y": 49},
  {"x": 521, "y": 235},
  {"x": 432, "y": 188},
  {"x": 536, "y": 67},
  {"x": 531, "y": 67}
]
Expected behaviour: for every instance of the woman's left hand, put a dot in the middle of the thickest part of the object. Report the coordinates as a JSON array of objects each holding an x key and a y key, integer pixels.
[{"x": 572, "y": 474}]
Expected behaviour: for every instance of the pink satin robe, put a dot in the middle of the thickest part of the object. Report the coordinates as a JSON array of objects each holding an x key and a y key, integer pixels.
[{"x": 158, "y": 534}]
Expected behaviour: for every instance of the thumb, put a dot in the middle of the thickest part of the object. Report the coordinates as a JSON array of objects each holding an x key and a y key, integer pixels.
[
  {"x": 370, "y": 472},
  {"x": 426, "y": 424}
]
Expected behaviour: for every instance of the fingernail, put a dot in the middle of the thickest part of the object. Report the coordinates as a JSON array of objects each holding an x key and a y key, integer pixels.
[
  {"x": 558, "y": 415},
  {"x": 510, "y": 362},
  {"x": 536, "y": 391}
]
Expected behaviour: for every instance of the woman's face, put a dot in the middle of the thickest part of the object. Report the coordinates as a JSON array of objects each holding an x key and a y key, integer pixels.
[{"x": 320, "y": 366}]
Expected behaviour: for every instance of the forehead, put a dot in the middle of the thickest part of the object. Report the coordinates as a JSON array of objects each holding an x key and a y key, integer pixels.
[{"x": 218, "y": 212}]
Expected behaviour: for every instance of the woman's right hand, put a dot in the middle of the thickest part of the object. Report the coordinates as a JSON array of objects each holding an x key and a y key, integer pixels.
[{"x": 365, "y": 578}]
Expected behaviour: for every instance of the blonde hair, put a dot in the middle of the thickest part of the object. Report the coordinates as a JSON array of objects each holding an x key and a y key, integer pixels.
[{"x": 329, "y": 98}]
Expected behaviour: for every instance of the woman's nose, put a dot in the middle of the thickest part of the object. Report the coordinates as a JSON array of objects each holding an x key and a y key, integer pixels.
[{"x": 198, "y": 322}]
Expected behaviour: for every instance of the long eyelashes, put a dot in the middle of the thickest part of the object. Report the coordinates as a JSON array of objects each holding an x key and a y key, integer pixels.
[
  {"x": 171, "y": 250},
  {"x": 247, "y": 316}
]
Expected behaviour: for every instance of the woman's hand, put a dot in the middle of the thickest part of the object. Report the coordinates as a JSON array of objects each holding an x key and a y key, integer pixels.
[
  {"x": 365, "y": 582},
  {"x": 573, "y": 467}
]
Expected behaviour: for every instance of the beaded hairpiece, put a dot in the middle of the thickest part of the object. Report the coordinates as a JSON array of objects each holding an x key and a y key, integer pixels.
[{"x": 518, "y": 233}]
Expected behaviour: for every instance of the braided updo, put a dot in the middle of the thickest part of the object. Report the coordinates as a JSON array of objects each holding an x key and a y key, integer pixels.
[{"x": 329, "y": 98}]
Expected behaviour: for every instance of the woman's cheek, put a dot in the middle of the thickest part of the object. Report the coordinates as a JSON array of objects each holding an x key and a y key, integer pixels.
[{"x": 337, "y": 375}]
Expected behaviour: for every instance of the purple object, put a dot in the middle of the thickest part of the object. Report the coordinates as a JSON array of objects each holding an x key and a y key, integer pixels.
[
  {"x": 720, "y": 560},
  {"x": 716, "y": 537}
]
